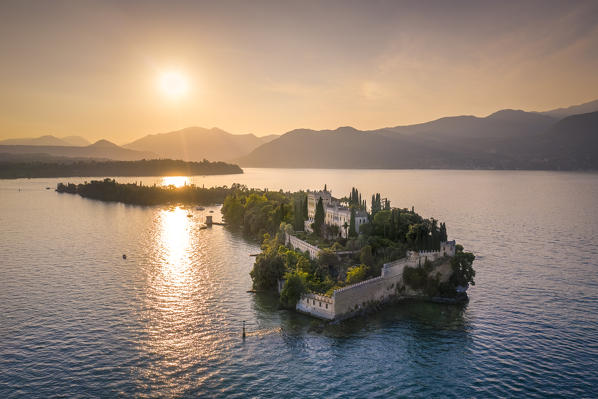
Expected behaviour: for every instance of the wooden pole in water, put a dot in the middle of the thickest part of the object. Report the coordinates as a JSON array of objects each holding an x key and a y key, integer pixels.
[{"x": 243, "y": 329}]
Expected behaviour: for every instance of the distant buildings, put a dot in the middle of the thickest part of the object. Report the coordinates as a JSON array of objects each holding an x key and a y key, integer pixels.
[{"x": 335, "y": 213}]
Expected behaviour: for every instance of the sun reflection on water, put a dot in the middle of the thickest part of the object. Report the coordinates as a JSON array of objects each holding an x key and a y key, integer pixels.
[
  {"x": 175, "y": 240},
  {"x": 170, "y": 305},
  {"x": 176, "y": 181}
]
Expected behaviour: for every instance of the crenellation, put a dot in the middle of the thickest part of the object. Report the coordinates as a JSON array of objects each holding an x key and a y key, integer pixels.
[{"x": 353, "y": 298}]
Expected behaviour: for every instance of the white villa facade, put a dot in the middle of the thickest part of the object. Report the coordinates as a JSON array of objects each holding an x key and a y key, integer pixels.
[{"x": 335, "y": 213}]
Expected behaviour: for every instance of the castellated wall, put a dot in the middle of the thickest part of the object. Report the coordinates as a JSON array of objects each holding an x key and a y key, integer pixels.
[
  {"x": 301, "y": 245},
  {"x": 351, "y": 299},
  {"x": 354, "y": 297},
  {"x": 317, "y": 305}
]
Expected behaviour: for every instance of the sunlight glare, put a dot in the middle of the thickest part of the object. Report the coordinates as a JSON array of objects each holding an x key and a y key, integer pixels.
[
  {"x": 176, "y": 181},
  {"x": 173, "y": 84},
  {"x": 176, "y": 241}
]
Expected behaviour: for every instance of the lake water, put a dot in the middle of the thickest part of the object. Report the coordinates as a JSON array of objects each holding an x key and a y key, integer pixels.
[{"x": 78, "y": 320}]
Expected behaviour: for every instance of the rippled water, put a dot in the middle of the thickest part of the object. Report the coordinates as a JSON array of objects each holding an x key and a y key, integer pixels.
[{"x": 78, "y": 320}]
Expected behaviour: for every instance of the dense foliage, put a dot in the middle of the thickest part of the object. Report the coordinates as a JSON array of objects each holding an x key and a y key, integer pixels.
[
  {"x": 154, "y": 167},
  {"x": 356, "y": 274},
  {"x": 462, "y": 265},
  {"x": 269, "y": 265},
  {"x": 260, "y": 212},
  {"x": 276, "y": 262},
  {"x": 423, "y": 278},
  {"x": 388, "y": 234},
  {"x": 133, "y": 193}
]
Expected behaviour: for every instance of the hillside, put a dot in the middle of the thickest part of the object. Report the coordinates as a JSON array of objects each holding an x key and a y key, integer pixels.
[
  {"x": 48, "y": 140},
  {"x": 572, "y": 143},
  {"x": 507, "y": 139},
  {"x": 196, "y": 144},
  {"x": 584, "y": 108},
  {"x": 154, "y": 167},
  {"x": 347, "y": 147},
  {"x": 501, "y": 124},
  {"x": 102, "y": 149}
]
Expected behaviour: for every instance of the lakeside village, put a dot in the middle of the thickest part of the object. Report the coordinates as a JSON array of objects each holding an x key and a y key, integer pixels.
[{"x": 332, "y": 259}]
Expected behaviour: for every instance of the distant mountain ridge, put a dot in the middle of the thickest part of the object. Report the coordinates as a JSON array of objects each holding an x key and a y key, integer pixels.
[
  {"x": 507, "y": 139},
  {"x": 562, "y": 138},
  {"x": 196, "y": 144},
  {"x": 101, "y": 149},
  {"x": 573, "y": 110},
  {"x": 48, "y": 140}
]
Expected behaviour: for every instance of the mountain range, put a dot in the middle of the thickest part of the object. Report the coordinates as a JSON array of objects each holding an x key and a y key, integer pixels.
[
  {"x": 507, "y": 139},
  {"x": 563, "y": 138},
  {"x": 68, "y": 141},
  {"x": 100, "y": 150},
  {"x": 196, "y": 144}
]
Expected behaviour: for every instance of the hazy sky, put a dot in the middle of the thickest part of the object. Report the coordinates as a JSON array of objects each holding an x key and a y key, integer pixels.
[{"x": 91, "y": 68}]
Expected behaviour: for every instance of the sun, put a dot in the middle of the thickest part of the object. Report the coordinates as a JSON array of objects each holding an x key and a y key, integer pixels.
[{"x": 173, "y": 84}]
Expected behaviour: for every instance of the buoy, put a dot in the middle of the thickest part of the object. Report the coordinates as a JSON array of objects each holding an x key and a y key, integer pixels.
[
  {"x": 124, "y": 256},
  {"x": 243, "y": 329}
]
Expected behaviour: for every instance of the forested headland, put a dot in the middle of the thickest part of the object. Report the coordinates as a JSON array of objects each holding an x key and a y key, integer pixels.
[
  {"x": 139, "y": 194},
  {"x": 153, "y": 167},
  {"x": 341, "y": 261}
]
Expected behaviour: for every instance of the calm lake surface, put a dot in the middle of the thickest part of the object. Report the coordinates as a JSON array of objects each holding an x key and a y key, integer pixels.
[{"x": 78, "y": 320}]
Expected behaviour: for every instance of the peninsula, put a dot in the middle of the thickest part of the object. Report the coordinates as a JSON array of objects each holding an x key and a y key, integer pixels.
[
  {"x": 335, "y": 258},
  {"x": 62, "y": 167},
  {"x": 138, "y": 194}
]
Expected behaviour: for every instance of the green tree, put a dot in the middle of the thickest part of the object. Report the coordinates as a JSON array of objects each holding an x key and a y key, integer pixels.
[
  {"x": 327, "y": 263},
  {"x": 356, "y": 274},
  {"x": 443, "y": 234},
  {"x": 298, "y": 215},
  {"x": 352, "y": 230},
  {"x": 382, "y": 220},
  {"x": 233, "y": 211},
  {"x": 319, "y": 218},
  {"x": 294, "y": 287},
  {"x": 366, "y": 256},
  {"x": 269, "y": 266},
  {"x": 304, "y": 264},
  {"x": 462, "y": 264},
  {"x": 305, "y": 216},
  {"x": 327, "y": 257}
]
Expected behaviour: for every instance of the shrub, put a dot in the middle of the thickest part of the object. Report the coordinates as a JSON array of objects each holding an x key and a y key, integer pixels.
[
  {"x": 356, "y": 274},
  {"x": 293, "y": 288}
]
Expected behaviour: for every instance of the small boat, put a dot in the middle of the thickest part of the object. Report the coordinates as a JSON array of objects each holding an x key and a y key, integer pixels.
[{"x": 200, "y": 208}]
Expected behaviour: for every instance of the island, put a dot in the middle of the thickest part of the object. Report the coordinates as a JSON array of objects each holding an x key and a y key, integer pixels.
[
  {"x": 91, "y": 168},
  {"x": 333, "y": 258}
]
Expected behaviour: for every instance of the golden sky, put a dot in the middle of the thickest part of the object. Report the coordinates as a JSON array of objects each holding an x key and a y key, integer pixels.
[{"x": 93, "y": 68}]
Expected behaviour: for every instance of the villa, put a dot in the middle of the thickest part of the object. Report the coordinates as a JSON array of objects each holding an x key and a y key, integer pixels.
[{"x": 335, "y": 213}]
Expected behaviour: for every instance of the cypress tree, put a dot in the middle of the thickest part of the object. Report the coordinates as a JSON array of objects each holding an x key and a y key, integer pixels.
[
  {"x": 319, "y": 218},
  {"x": 352, "y": 231},
  {"x": 305, "y": 208}
]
